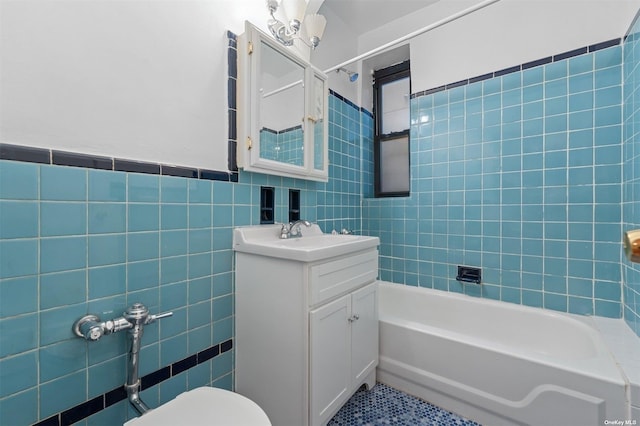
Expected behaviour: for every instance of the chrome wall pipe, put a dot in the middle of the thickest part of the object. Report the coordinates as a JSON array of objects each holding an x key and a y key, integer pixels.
[{"x": 91, "y": 328}]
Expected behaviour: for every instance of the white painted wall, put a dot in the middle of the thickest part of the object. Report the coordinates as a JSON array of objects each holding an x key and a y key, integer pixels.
[
  {"x": 147, "y": 80},
  {"x": 142, "y": 80},
  {"x": 504, "y": 34},
  {"x": 512, "y": 32},
  {"x": 339, "y": 44}
]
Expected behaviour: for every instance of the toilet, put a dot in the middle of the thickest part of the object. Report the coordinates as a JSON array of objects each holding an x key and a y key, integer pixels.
[{"x": 205, "y": 406}]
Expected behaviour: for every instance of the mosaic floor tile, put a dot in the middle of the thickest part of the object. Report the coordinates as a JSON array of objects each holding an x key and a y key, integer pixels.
[{"x": 384, "y": 405}]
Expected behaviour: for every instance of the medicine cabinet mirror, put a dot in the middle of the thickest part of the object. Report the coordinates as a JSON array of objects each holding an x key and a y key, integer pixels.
[{"x": 282, "y": 110}]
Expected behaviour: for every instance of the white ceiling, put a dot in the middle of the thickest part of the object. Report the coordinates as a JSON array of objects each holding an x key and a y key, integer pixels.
[{"x": 367, "y": 15}]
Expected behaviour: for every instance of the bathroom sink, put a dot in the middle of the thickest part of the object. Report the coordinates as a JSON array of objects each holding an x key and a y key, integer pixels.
[{"x": 314, "y": 245}]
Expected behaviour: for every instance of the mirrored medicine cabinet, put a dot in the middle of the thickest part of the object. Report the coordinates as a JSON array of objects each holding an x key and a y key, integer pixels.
[{"x": 282, "y": 110}]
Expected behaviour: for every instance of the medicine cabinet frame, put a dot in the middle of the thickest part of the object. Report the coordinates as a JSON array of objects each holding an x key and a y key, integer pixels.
[{"x": 308, "y": 116}]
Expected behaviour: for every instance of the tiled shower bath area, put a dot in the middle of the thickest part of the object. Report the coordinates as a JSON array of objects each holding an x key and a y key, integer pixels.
[{"x": 518, "y": 172}]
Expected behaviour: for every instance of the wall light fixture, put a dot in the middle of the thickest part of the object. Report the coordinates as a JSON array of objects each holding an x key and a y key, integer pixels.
[{"x": 308, "y": 29}]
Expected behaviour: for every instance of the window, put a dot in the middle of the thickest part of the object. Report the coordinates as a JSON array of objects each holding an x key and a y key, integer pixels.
[{"x": 391, "y": 93}]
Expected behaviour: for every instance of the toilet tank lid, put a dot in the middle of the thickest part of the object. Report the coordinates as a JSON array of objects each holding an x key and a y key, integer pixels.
[{"x": 202, "y": 406}]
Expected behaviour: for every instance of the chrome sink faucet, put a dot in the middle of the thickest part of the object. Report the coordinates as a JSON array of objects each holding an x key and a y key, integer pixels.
[{"x": 292, "y": 229}]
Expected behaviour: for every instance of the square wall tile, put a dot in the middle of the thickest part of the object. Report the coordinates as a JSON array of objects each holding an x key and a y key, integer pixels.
[
  {"x": 107, "y": 218},
  {"x": 63, "y": 254},
  {"x": 107, "y": 249},
  {"x": 173, "y": 189},
  {"x": 18, "y": 219},
  {"x": 59, "y": 183},
  {"x": 143, "y": 188},
  {"x": 105, "y": 185},
  {"x": 18, "y": 257},
  {"x": 63, "y": 393},
  {"x": 63, "y": 288},
  {"x": 18, "y": 373},
  {"x": 58, "y": 218},
  {"x": 18, "y": 334},
  {"x": 18, "y": 181},
  {"x": 18, "y": 296}
]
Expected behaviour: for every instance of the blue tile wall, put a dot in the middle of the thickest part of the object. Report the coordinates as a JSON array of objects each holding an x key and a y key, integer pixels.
[
  {"x": 339, "y": 200},
  {"x": 631, "y": 172},
  {"x": 115, "y": 238},
  {"x": 519, "y": 174},
  {"x": 74, "y": 241}
]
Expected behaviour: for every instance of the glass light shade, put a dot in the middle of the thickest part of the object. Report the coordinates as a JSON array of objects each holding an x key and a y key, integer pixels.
[
  {"x": 294, "y": 9},
  {"x": 314, "y": 25},
  {"x": 273, "y": 5}
]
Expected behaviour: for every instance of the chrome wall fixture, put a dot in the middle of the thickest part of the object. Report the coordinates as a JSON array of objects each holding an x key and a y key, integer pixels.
[
  {"x": 91, "y": 328},
  {"x": 353, "y": 76},
  {"x": 308, "y": 29}
]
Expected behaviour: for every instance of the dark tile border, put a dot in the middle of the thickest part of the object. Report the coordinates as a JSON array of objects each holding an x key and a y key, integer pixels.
[
  {"x": 522, "y": 67},
  {"x": 61, "y": 158},
  {"x": 99, "y": 403},
  {"x": 23, "y": 153},
  {"x": 135, "y": 166},
  {"x": 186, "y": 172},
  {"x": 278, "y": 132},
  {"x": 73, "y": 159},
  {"x": 232, "y": 102},
  {"x": 366, "y": 112},
  {"x": 348, "y": 102},
  {"x": 343, "y": 99},
  {"x": 537, "y": 63}
]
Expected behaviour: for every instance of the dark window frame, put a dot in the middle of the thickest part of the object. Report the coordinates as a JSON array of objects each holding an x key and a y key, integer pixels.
[{"x": 382, "y": 77}]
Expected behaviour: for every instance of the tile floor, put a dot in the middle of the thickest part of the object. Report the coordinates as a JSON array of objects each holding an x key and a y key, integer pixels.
[{"x": 384, "y": 405}]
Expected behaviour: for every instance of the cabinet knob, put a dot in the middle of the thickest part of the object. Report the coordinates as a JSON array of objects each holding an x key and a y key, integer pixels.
[{"x": 354, "y": 317}]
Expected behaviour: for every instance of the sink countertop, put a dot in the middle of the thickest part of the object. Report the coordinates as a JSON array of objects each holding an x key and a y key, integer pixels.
[{"x": 314, "y": 245}]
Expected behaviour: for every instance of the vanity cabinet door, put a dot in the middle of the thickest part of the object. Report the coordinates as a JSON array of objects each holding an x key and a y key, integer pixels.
[
  {"x": 364, "y": 331},
  {"x": 330, "y": 353}
]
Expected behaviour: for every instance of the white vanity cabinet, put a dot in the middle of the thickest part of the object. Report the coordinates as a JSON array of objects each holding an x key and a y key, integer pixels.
[
  {"x": 306, "y": 333},
  {"x": 343, "y": 348}
]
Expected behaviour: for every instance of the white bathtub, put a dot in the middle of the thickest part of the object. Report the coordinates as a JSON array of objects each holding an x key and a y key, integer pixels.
[{"x": 498, "y": 363}]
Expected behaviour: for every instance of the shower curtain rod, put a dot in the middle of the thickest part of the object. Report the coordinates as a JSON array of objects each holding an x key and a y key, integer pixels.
[{"x": 416, "y": 33}]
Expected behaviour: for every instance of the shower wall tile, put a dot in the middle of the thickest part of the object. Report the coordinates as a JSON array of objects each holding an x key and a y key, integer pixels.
[
  {"x": 631, "y": 174},
  {"x": 519, "y": 174}
]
